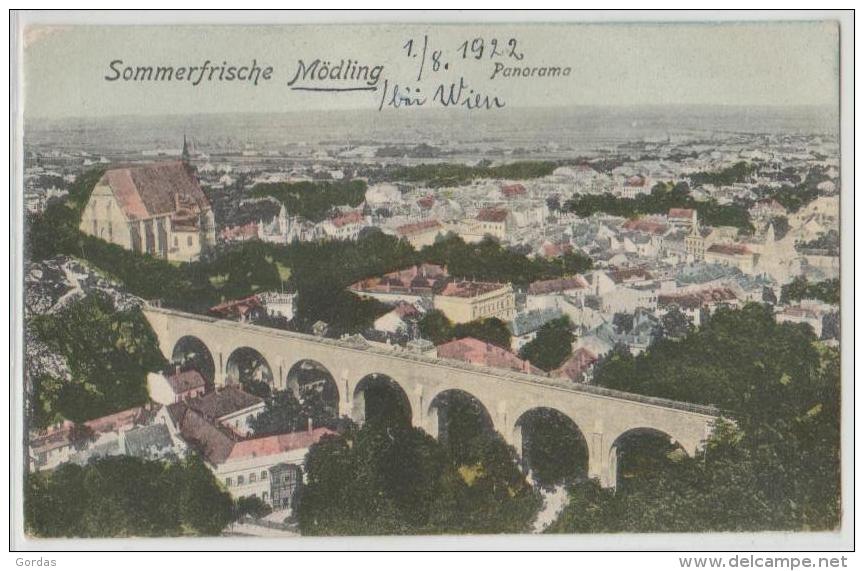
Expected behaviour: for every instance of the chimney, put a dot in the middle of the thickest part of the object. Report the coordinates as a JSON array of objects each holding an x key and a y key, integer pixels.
[{"x": 309, "y": 424}]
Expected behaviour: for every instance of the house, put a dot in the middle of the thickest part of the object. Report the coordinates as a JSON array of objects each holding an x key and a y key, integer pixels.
[
  {"x": 383, "y": 196},
  {"x": 343, "y": 226},
  {"x": 241, "y": 233},
  {"x": 695, "y": 303},
  {"x": 247, "y": 309},
  {"x": 230, "y": 407},
  {"x": 811, "y": 312},
  {"x": 634, "y": 186},
  {"x": 158, "y": 209},
  {"x": 734, "y": 255},
  {"x": 682, "y": 217},
  {"x": 477, "y": 352},
  {"x": 398, "y": 319},
  {"x": 577, "y": 367},
  {"x": 246, "y": 466},
  {"x": 422, "y": 233},
  {"x": 767, "y": 209},
  {"x": 70, "y": 442},
  {"x": 278, "y": 304},
  {"x": 524, "y": 326},
  {"x": 493, "y": 222},
  {"x": 511, "y": 191},
  {"x": 464, "y": 301},
  {"x": 51, "y": 447},
  {"x": 175, "y": 386},
  {"x": 546, "y": 293},
  {"x": 625, "y": 289},
  {"x": 409, "y": 285}
]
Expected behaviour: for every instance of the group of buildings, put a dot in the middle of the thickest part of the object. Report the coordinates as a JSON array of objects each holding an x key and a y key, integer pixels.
[{"x": 185, "y": 415}]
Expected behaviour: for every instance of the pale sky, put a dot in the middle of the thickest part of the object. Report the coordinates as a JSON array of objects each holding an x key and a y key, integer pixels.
[{"x": 794, "y": 63}]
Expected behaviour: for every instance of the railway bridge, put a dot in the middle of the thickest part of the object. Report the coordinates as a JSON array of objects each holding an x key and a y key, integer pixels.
[{"x": 603, "y": 416}]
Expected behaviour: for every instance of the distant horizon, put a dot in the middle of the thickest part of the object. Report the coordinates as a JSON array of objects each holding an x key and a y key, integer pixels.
[{"x": 803, "y": 106}]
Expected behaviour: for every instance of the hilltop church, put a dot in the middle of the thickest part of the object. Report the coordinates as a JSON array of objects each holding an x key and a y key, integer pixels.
[{"x": 157, "y": 209}]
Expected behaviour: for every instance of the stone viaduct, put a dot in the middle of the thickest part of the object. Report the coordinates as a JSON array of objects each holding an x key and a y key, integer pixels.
[{"x": 603, "y": 416}]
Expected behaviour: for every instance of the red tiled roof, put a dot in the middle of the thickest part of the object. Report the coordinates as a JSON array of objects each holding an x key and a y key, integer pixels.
[
  {"x": 681, "y": 213},
  {"x": 422, "y": 278},
  {"x": 117, "y": 421},
  {"x": 512, "y": 190},
  {"x": 479, "y": 352},
  {"x": 216, "y": 404},
  {"x": 469, "y": 289},
  {"x": 404, "y": 309},
  {"x": 427, "y": 201},
  {"x": 418, "y": 227},
  {"x": 277, "y": 443},
  {"x": 729, "y": 249},
  {"x": 574, "y": 368},
  {"x": 236, "y": 307},
  {"x": 551, "y": 250},
  {"x": 154, "y": 189},
  {"x": 647, "y": 226},
  {"x": 244, "y": 232},
  {"x": 185, "y": 381},
  {"x": 636, "y": 180},
  {"x": 492, "y": 215},
  {"x": 219, "y": 445},
  {"x": 350, "y": 218}
]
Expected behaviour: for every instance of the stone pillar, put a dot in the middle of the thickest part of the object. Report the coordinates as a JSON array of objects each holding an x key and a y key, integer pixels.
[
  {"x": 602, "y": 461},
  {"x": 219, "y": 374},
  {"x": 345, "y": 396},
  {"x": 501, "y": 421}
]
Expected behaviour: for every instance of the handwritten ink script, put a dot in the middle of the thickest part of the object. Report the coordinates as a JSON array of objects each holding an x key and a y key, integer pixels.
[{"x": 442, "y": 76}]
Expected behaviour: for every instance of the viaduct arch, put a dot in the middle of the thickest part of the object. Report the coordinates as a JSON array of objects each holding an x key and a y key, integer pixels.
[{"x": 602, "y": 415}]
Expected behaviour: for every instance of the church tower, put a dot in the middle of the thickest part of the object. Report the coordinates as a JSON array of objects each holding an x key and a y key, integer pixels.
[{"x": 185, "y": 156}]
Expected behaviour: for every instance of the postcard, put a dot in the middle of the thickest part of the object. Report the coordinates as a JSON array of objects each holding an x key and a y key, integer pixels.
[{"x": 304, "y": 280}]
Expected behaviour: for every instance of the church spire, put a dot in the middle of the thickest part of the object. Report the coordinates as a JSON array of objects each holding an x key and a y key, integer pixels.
[{"x": 185, "y": 155}]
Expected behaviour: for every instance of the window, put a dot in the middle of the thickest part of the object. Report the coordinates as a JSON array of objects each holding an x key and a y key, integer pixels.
[
  {"x": 253, "y": 478},
  {"x": 189, "y": 241},
  {"x": 240, "y": 481},
  {"x": 265, "y": 496},
  {"x": 176, "y": 242},
  {"x": 264, "y": 475},
  {"x": 110, "y": 230},
  {"x": 228, "y": 482}
]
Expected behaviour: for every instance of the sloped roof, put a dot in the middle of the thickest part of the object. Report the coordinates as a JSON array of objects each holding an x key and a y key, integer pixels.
[
  {"x": 472, "y": 350},
  {"x": 557, "y": 285},
  {"x": 576, "y": 365},
  {"x": 185, "y": 380},
  {"x": 155, "y": 189},
  {"x": 140, "y": 441},
  {"x": 492, "y": 215},
  {"x": 225, "y": 401},
  {"x": 277, "y": 443},
  {"x": 219, "y": 446}
]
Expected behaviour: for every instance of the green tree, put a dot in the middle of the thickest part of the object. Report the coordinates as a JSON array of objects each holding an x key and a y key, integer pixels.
[
  {"x": 109, "y": 354},
  {"x": 552, "y": 345},
  {"x": 123, "y": 496},
  {"x": 777, "y": 467},
  {"x": 282, "y": 413}
]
